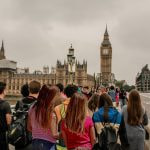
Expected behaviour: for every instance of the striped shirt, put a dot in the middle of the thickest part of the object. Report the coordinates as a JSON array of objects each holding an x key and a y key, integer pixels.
[{"x": 39, "y": 132}]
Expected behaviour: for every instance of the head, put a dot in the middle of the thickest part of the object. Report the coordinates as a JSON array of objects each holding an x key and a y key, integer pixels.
[
  {"x": 34, "y": 87},
  {"x": 85, "y": 89},
  {"x": 45, "y": 104},
  {"x": 101, "y": 90},
  {"x": 134, "y": 108},
  {"x": 60, "y": 86},
  {"x": 70, "y": 90},
  {"x": 25, "y": 90},
  {"x": 2, "y": 89},
  {"x": 106, "y": 102},
  {"x": 93, "y": 102},
  {"x": 75, "y": 117},
  {"x": 112, "y": 87}
]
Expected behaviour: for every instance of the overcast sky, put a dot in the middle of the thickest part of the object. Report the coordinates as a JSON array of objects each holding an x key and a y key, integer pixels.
[{"x": 38, "y": 32}]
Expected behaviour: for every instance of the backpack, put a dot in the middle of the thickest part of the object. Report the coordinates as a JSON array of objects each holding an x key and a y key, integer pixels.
[
  {"x": 3, "y": 124},
  {"x": 17, "y": 133},
  {"x": 107, "y": 139}
]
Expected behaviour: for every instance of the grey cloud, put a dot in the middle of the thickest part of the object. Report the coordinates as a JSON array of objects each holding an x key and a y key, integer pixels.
[{"x": 38, "y": 32}]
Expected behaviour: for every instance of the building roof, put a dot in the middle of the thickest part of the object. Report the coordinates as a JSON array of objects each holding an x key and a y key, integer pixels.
[{"x": 8, "y": 64}]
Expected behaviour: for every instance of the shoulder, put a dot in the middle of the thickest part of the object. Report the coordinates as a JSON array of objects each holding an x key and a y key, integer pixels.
[
  {"x": 114, "y": 115},
  {"x": 97, "y": 115},
  {"x": 6, "y": 107},
  {"x": 57, "y": 108},
  {"x": 6, "y": 104}
]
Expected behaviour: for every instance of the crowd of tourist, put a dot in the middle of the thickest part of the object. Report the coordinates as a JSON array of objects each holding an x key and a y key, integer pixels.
[{"x": 73, "y": 117}]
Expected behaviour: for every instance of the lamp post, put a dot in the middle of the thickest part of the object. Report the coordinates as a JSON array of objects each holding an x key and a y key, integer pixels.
[{"x": 71, "y": 62}]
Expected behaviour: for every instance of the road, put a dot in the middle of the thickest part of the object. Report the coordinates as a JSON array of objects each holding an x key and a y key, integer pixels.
[{"x": 145, "y": 97}]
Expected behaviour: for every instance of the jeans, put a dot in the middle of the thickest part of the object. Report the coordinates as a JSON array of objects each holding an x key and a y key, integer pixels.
[
  {"x": 3, "y": 141},
  {"x": 123, "y": 102},
  {"x": 28, "y": 147},
  {"x": 39, "y": 144}
]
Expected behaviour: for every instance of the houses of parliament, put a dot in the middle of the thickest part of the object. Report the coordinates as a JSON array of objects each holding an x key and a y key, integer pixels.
[{"x": 70, "y": 71}]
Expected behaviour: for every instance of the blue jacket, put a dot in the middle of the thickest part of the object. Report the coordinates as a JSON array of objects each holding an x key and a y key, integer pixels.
[{"x": 113, "y": 116}]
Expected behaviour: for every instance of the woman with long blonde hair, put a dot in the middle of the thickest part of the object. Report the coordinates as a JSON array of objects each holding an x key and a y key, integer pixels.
[{"x": 77, "y": 127}]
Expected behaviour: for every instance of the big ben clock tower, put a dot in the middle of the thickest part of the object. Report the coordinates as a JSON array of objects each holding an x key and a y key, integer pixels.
[{"x": 106, "y": 76}]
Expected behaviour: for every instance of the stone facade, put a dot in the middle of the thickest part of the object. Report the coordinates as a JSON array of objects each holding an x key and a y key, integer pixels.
[
  {"x": 70, "y": 72},
  {"x": 106, "y": 77},
  {"x": 143, "y": 80}
]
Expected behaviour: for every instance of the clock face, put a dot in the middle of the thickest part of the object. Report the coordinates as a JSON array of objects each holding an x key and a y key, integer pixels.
[{"x": 105, "y": 51}]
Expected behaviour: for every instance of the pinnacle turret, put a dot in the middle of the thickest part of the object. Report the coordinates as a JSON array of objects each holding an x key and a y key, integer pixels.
[{"x": 2, "y": 52}]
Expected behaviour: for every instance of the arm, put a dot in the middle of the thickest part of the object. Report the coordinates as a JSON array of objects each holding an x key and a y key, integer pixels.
[
  {"x": 8, "y": 119},
  {"x": 92, "y": 136},
  {"x": 8, "y": 113},
  {"x": 57, "y": 111},
  {"x": 54, "y": 126}
]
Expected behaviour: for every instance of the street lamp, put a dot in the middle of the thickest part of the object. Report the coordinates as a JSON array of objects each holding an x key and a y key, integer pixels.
[{"x": 71, "y": 63}]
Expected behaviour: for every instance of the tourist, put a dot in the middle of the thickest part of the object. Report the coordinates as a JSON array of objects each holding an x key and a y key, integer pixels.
[
  {"x": 117, "y": 97},
  {"x": 25, "y": 93},
  {"x": 61, "y": 88},
  {"x": 93, "y": 104},
  {"x": 101, "y": 90},
  {"x": 122, "y": 98},
  {"x": 112, "y": 94},
  {"x": 61, "y": 109},
  {"x": 33, "y": 88},
  {"x": 42, "y": 120},
  {"x": 86, "y": 91},
  {"x": 30, "y": 93},
  {"x": 5, "y": 117},
  {"x": 106, "y": 114},
  {"x": 133, "y": 114},
  {"x": 61, "y": 96},
  {"x": 77, "y": 127}
]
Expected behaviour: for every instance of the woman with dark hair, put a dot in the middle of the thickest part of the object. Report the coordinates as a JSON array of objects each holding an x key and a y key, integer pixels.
[
  {"x": 133, "y": 114},
  {"x": 42, "y": 120},
  {"x": 93, "y": 104},
  {"x": 77, "y": 127},
  {"x": 106, "y": 114}
]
